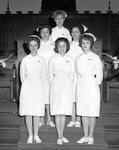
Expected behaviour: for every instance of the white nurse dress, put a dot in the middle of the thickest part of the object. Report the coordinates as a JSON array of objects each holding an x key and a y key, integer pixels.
[
  {"x": 90, "y": 73},
  {"x": 33, "y": 74},
  {"x": 61, "y": 74},
  {"x": 46, "y": 51},
  {"x": 57, "y": 33},
  {"x": 74, "y": 51}
]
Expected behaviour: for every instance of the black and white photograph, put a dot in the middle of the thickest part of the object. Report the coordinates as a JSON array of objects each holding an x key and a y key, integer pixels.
[{"x": 59, "y": 74}]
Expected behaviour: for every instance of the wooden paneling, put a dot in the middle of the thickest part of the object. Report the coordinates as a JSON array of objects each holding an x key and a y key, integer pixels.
[
  {"x": 19, "y": 26},
  {"x": 20, "y": 54}
]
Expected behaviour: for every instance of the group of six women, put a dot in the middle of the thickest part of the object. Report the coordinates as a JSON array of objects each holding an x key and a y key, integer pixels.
[{"x": 62, "y": 74}]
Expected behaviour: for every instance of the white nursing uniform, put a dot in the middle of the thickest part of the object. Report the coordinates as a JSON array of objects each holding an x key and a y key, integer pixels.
[
  {"x": 46, "y": 51},
  {"x": 33, "y": 74},
  {"x": 90, "y": 74},
  {"x": 74, "y": 51},
  {"x": 61, "y": 74},
  {"x": 63, "y": 32}
]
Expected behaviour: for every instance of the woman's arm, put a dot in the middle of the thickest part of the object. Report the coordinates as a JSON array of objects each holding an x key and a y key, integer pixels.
[
  {"x": 50, "y": 70},
  {"x": 72, "y": 73},
  {"x": 22, "y": 70},
  {"x": 76, "y": 67},
  {"x": 43, "y": 76},
  {"x": 99, "y": 70}
]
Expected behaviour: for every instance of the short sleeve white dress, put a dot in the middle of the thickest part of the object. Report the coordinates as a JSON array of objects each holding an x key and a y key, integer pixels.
[
  {"x": 90, "y": 73},
  {"x": 61, "y": 74},
  {"x": 46, "y": 51},
  {"x": 74, "y": 51},
  {"x": 63, "y": 32},
  {"x": 33, "y": 74}
]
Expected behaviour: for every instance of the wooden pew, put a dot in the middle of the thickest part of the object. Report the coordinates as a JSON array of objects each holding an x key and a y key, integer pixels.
[{"x": 6, "y": 85}]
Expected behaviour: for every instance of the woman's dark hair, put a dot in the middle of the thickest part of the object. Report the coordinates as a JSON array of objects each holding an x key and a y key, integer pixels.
[
  {"x": 80, "y": 27},
  {"x": 62, "y": 39},
  {"x": 32, "y": 38},
  {"x": 42, "y": 27},
  {"x": 86, "y": 37}
]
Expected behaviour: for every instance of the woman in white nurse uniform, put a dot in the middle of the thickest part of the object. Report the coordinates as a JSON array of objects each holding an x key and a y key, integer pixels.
[
  {"x": 32, "y": 97},
  {"x": 46, "y": 51},
  {"x": 59, "y": 30},
  {"x": 90, "y": 73},
  {"x": 75, "y": 50},
  {"x": 61, "y": 75}
]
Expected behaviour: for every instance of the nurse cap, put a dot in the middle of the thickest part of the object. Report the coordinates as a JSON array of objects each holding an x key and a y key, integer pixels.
[
  {"x": 31, "y": 36},
  {"x": 42, "y": 26},
  {"x": 84, "y": 27},
  {"x": 34, "y": 36},
  {"x": 92, "y": 35}
]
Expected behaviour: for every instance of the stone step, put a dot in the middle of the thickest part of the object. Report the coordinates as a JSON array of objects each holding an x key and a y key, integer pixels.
[
  {"x": 9, "y": 137},
  {"x": 114, "y": 99},
  {"x": 9, "y": 126},
  {"x": 50, "y": 132},
  {"x": 110, "y": 114},
  {"x": 70, "y": 146},
  {"x": 9, "y": 119},
  {"x": 109, "y": 118},
  {"x": 9, "y": 115},
  {"x": 49, "y": 141},
  {"x": 111, "y": 132},
  {"x": 48, "y": 136},
  {"x": 110, "y": 122},
  {"x": 113, "y": 144},
  {"x": 6, "y": 146},
  {"x": 8, "y": 132},
  {"x": 10, "y": 122}
]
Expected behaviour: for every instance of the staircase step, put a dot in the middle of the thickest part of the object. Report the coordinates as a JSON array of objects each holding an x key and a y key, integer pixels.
[
  {"x": 9, "y": 114},
  {"x": 8, "y": 146},
  {"x": 111, "y": 127},
  {"x": 9, "y": 132},
  {"x": 9, "y": 126},
  {"x": 110, "y": 118},
  {"x": 51, "y": 134},
  {"x": 10, "y": 107},
  {"x": 108, "y": 108},
  {"x": 110, "y": 114},
  {"x": 70, "y": 146},
  {"x": 110, "y": 121},
  {"x": 8, "y": 142},
  {"x": 48, "y": 136},
  {"x": 9, "y": 119},
  {"x": 9, "y": 137},
  {"x": 111, "y": 132},
  {"x": 49, "y": 141},
  {"x": 114, "y": 99},
  {"x": 113, "y": 144},
  {"x": 73, "y": 131}
]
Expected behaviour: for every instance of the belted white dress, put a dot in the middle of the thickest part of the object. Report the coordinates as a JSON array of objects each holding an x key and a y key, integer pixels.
[
  {"x": 90, "y": 73},
  {"x": 61, "y": 74},
  {"x": 32, "y": 98}
]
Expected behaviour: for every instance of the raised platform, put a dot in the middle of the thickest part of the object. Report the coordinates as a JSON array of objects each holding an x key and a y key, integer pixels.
[{"x": 13, "y": 133}]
